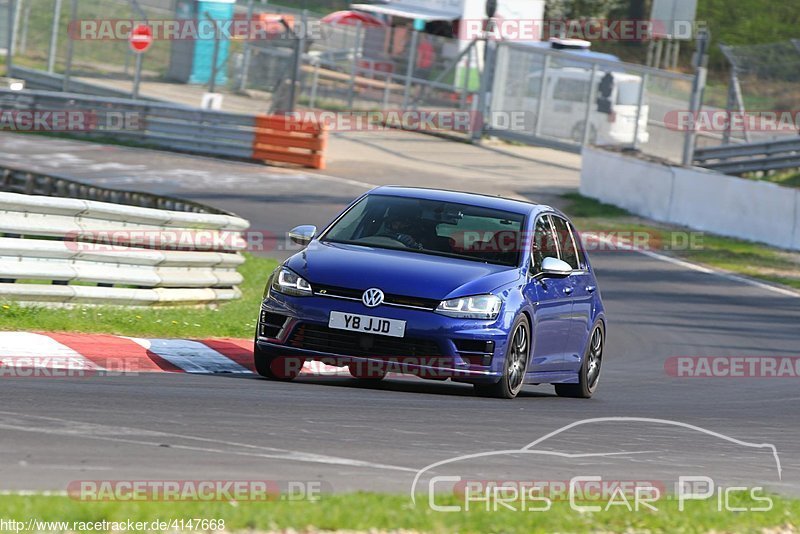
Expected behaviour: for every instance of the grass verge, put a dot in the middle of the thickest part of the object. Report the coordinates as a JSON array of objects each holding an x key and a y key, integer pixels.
[
  {"x": 786, "y": 178},
  {"x": 734, "y": 255},
  {"x": 371, "y": 512},
  {"x": 234, "y": 319}
]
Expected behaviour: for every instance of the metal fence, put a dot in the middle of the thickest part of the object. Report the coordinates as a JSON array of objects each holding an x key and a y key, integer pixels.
[
  {"x": 524, "y": 93},
  {"x": 15, "y": 180},
  {"x": 154, "y": 124},
  {"x": 68, "y": 251},
  {"x": 543, "y": 96},
  {"x": 751, "y": 157},
  {"x": 763, "y": 77}
]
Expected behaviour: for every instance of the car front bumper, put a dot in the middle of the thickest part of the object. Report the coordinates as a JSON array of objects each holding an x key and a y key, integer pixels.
[{"x": 434, "y": 346}]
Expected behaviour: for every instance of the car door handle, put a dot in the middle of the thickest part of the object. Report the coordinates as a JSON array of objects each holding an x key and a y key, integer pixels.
[
  {"x": 591, "y": 289},
  {"x": 568, "y": 290}
]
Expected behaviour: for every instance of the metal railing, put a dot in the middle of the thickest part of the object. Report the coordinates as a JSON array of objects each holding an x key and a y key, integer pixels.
[
  {"x": 16, "y": 180},
  {"x": 553, "y": 98},
  {"x": 67, "y": 251},
  {"x": 168, "y": 126},
  {"x": 752, "y": 157}
]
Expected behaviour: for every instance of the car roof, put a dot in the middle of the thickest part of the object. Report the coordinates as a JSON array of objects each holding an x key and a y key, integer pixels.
[{"x": 459, "y": 197}]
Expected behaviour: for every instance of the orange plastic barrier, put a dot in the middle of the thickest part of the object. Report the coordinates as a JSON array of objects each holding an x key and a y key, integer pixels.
[{"x": 283, "y": 140}]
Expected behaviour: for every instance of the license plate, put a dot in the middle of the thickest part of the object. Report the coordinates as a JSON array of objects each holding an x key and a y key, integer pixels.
[{"x": 367, "y": 324}]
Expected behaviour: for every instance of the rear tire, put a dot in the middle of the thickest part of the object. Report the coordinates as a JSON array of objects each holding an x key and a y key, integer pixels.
[
  {"x": 276, "y": 367},
  {"x": 515, "y": 365},
  {"x": 589, "y": 374}
]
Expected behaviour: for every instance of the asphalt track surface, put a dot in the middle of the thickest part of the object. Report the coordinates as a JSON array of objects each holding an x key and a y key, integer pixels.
[{"x": 355, "y": 436}]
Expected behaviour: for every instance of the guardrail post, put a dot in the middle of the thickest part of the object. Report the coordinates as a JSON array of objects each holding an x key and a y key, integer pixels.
[
  {"x": 640, "y": 104},
  {"x": 537, "y": 128},
  {"x": 387, "y": 91},
  {"x": 351, "y": 91},
  {"x": 487, "y": 79},
  {"x": 10, "y": 37},
  {"x": 73, "y": 14},
  {"x": 137, "y": 76},
  {"x": 51, "y": 52},
  {"x": 314, "y": 84},
  {"x": 247, "y": 52},
  {"x": 465, "y": 84},
  {"x": 698, "y": 87},
  {"x": 30, "y": 183},
  {"x": 412, "y": 64},
  {"x": 23, "y": 37},
  {"x": 587, "y": 124},
  {"x": 214, "y": 56}
]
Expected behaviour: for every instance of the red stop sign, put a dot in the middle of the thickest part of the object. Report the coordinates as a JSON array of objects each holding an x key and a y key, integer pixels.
[{"x": 141, "y": 38}]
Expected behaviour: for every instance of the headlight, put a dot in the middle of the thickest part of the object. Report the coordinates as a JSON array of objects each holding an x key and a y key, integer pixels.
[
  {"x": 480, "y": 307},
  {"x": 289, "y": 283}
]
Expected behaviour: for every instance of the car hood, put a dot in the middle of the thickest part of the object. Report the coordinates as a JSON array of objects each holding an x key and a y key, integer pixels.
[{"x": 398, "y": 272}]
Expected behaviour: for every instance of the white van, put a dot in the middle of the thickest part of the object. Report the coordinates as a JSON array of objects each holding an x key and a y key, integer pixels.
[{"x": 564, "y": 112}]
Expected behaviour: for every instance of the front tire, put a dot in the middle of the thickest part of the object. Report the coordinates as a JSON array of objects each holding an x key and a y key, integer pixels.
[
  {"x": 589, "y": 374},
  {"x": 515, "y": 365},
  {"x": 274, "y": 366}
]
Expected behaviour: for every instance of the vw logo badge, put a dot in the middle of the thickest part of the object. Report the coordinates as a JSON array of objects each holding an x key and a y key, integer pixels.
[{"x": 372, "y": 298}]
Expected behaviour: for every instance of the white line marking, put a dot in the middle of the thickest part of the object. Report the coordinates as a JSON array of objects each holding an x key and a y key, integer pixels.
[
  {"x": 26, "y": 349},
  {"x": 108, "y": 433},
  {"x": 192, "y": 356},
  {"x": 700, "y": 268}
]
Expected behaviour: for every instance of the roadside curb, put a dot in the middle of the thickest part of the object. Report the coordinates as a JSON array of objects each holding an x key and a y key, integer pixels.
[{"x": 77, "y": 354}]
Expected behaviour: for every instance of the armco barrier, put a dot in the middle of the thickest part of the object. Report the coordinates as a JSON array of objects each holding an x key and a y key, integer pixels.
[
  {"x": 694, "y": 197},
  {"x": 180, "y": 128},
  {"x": 279, "y": 139},
  {"x": 16, "y": 180},
  {"x": 83, "y": 251}
]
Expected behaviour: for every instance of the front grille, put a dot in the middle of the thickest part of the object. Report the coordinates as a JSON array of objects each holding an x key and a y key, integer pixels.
[
  {"x": 271, "y": 324},
  {"x": 475, "y": 352},
  {"x": 391, "y": 300},
  {"x": 324, "y": 339}
]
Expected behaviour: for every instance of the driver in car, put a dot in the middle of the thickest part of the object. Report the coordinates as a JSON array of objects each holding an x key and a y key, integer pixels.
[{"x": 400, "y": 226}]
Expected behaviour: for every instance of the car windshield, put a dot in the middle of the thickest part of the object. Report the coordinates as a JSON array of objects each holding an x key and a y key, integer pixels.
[{"x": 431, "y": 227}]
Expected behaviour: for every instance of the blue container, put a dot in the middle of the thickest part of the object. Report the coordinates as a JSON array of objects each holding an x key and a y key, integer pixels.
[{"x": 222, "y": 12}]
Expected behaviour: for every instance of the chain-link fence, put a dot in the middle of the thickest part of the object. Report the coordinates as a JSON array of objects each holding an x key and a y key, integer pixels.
[
  {"x": 763, "y": 78},
  {"x": 528, "y": 93},
  {"x": 569, "y": 100}
]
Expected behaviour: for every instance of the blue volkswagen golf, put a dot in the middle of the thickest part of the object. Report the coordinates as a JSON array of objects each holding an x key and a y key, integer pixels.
[{"x": 493, "y": 292}]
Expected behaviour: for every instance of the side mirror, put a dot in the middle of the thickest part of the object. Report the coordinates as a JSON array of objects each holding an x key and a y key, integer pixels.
[
  {"x": 555, "y": 267},
  {"x": 302, "y": 235}
]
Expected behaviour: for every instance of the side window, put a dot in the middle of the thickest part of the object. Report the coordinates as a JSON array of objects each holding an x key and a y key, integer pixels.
[
  {"x": 544, "y": 243},
  {"x": 572, "y": 90},
  {"x": 566, "y": 243},
  {"x": 579, "y": 245},
  {"x": 534, "y": 86}
]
